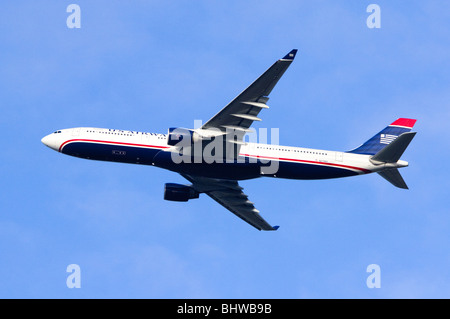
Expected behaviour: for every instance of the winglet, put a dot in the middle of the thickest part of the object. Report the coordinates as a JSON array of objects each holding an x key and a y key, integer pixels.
[
  {"x": 275, "y": 227},
  {"x": 290, "y": 56}
]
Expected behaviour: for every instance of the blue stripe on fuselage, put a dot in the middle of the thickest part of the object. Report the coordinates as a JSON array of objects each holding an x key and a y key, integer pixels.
[
  {"x": 244, "y": 168},
  {"x": 111, "y": 152}
]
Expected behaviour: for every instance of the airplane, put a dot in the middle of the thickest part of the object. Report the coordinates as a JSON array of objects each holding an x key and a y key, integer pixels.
[{"x": 183, "y": 151}]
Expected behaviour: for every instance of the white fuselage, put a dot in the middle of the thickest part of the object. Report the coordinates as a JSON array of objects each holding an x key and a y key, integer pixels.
[{"x": 144, "y": 148}]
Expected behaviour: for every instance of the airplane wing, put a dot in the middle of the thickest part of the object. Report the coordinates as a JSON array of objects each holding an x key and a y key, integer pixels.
[
  {"x": 241, "y": 112},
  {"x": 235, "y": 119},
  {"x": 230, "y": 195}
]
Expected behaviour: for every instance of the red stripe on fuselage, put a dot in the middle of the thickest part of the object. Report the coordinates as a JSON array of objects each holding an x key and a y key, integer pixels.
[
  {"x": 111, "y": 142},
  {"x": 366, "y": 171},
  {"x": 248, "y": 155}
]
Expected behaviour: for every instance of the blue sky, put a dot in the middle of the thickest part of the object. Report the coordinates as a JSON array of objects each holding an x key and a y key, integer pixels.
[{"x": 150, "y": 65}]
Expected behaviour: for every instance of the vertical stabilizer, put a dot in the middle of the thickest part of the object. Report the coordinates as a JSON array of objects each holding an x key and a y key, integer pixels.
[
  {"x": 385, "y": 137},
  {"x": 387, "y": 147},
  {"x": 392, "y": 152}
]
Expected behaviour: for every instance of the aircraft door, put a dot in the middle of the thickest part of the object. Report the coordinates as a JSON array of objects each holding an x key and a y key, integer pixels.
[
  {"x": 76, "y": 131},
  {"x": 145, "y": 138}
]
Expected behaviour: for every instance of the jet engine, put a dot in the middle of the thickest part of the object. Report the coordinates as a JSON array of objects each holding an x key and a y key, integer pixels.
[
  {"x": 179, "y": 193},
  {"x": 177, "y": 134},
  {"x": 188, "y": 137}
]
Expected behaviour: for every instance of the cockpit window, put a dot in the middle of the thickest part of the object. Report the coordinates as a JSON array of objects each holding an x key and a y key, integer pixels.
[{"x": 55, "y": 132}]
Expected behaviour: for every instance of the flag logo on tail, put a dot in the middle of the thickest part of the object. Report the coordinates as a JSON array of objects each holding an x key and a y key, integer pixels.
[{"x": 387, "y": 138}]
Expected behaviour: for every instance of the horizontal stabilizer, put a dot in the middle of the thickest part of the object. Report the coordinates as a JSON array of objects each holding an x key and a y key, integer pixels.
[
  {"x": 394, "y": 177},
  {"x": 392, "y": 152}
]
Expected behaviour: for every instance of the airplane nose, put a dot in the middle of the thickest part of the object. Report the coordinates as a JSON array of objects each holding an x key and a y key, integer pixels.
[
  {"x": 50, "y": 141},
  {"x": 45, "y": 140}
]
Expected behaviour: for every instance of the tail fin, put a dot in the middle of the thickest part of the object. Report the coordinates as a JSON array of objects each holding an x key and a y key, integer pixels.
[
  {"x": 391, "y": 155},
  {"x": 392, "y": 152},
  {"x": 387, "y": 147},
  {"x": 385, "y": 137}
]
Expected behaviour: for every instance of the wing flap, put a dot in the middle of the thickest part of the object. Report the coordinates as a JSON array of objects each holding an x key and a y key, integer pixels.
[
  {"x": 247, "y": 117},
  {"x": 257, "y": 104},
  {"x": 230, "y": 195},
  {"x": 248, "y": 213},
  {"x": 243, "y": 110}
]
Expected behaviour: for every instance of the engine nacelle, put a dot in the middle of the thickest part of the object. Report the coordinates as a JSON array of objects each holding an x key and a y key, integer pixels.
[
  {"x": 179, "y": 193},
  {"x": 178, "y": 134},
  {"x": 188, "y": 137}
]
